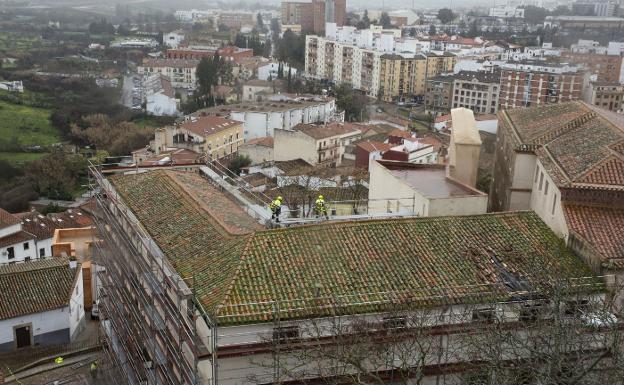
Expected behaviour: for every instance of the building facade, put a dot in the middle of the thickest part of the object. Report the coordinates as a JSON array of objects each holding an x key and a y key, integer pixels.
[
  {"x": 181, "y": 72},
  {"x": 529, "y": 84},
  {"x": 401, "y": 78},
  {"x": 606, "y": 68},
  {"x": 478, "y": 91},
  {"x": 609, "y": 96},
  {"x": 439, "y": 94}
]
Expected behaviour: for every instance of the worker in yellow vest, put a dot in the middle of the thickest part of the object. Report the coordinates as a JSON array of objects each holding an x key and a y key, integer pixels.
[
  {"x": 276, "y": 209},
  {"x": 321, "y": 209},
  {"x": 58, "y": 360}
]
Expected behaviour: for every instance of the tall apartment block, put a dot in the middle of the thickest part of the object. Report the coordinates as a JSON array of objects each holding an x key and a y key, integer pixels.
[
  {"x": 370, "y": 69},
  {"x": 527, "y": 84},
  {"x": 312, "y": 15}
]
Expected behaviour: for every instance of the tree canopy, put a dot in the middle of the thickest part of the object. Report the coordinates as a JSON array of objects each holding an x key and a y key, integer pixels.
[{"x": 446, "y": 16}]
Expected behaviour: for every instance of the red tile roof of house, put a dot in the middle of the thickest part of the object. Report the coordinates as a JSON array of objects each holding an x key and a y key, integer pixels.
[
  {"x": 39, "y": 225},
  {"x": 16, "y": 238},
  {"x": 602, "y": 227},
  {"x": 367, "y": 264},
  {"x": 400, "y": 133},
  {"x": 577, "y": 144},
  {"x": 7, "y": 219},
  {"x": 208, "y": 125},
  {"x": 173, "y": 157},
  {"x": 35, "y": 286},
  {"x": 370, "y": 146}
]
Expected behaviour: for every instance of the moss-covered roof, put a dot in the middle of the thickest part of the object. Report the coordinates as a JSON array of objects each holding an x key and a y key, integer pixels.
[{"x": 365, "y": 265}]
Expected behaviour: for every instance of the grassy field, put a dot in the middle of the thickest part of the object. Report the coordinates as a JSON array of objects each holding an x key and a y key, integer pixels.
[
  {"x": 13, "y": 42},
  {"x": 28, "y": 126}
]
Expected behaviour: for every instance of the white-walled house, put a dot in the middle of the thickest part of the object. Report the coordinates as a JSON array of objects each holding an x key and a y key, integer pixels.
[
  {"x": 270, "y": 70},
  {"x": 25, "y": 237},
  {"x": 173, "y": 39},
  {"x": 44, "y": 305},
  {"x": 160, "y": 98}
]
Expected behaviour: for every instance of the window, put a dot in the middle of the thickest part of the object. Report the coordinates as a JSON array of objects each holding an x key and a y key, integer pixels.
[
  {"x": 26, "y": 245},
  {"x": 552, "y": 211},
  {"x": 486, "y": 314},
  {"x": 11, "y": 252},
  {"x": 541, "y": 181},
  {"x": 536, "y": 174},
  {"x": 284, "y": 333},
  {"x": 393, "y": 323},
  {"x": 546, "y": 188},
  {"x": 41, "y": 252}
]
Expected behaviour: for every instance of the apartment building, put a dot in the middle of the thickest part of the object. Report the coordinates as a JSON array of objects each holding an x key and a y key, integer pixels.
[
  {"x": 439, "y": 94},
  {"x": 196, "y": 52},
  {"x": 211, "y": 136},
  {"x": 349, "y": 60},
  {"x": 402, "y": 77},
  {"x": 565, "y": 163},
  {"x": 210, "y": 297},
  {"x": 609, "y": 96},
  {"x": 317, "y": 144},
  {"x": 477, "y": 90},
  {"x": 237, "y": 20},
  {"x": 526, "y": 83},
  {"x": 181, "y": 72},
  {"x": 312, "y": 15},
  {"x": 605, "y": 68}
]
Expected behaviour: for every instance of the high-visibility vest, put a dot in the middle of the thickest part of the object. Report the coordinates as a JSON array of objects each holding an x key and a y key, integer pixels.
[
  {"x": 93, "y": 366},
  {"x": 59, "y": 360},
  {"x": 320, "y": 203},
  {"x": 275, "y": 204}
]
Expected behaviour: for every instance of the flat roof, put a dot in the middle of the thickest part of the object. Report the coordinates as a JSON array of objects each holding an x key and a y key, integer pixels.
[{"x": 429, "y": 180}]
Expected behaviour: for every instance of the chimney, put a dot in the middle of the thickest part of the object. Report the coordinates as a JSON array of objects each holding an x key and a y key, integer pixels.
[{"x": 465, "y": 147}]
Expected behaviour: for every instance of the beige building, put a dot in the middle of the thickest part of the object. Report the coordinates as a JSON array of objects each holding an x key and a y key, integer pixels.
[
  {"x": 180, "y": 71},
  {"x": 257, "y": 90},
  {"x": 477, "y": 90},
  {"x": 402, "y": 77},
  {"x": 438, "y": 64},
  {"x": 609, "y": 96},
  {"x": 212, "y": 136},
  {"x": 316, "y": 144},
  {"x": 259, "y": 150}
]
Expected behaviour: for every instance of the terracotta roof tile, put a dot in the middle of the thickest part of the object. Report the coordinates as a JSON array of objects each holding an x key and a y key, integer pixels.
[
  {"x": 366, "y": 263},
  {"x": 7, "y": 219},
  {"x": 208, "y": 125},
  {"x": 370, "y": 146},
  {"x": 35, "y": 286},
  {"x": 40, "y": 226},
  {"x": 602, "y": 227},
  {"x": 16, "y": 238}
]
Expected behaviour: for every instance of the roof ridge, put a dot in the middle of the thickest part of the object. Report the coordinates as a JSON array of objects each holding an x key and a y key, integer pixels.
[
  {"x": 573, "y": 124},
  {"x": 241, "y": 259},
  {"x": 324, "y": 224},
  {"x": 41, "y": 264},
  {"x": 611, "y": 157}
]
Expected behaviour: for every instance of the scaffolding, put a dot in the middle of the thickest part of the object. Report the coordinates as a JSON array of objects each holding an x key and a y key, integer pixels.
[{"x": 147, "y": 310}]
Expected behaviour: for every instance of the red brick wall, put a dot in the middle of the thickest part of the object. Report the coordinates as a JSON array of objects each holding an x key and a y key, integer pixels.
[
  {"x": 395, "y": 155},
  {"x": 606, "y": 67},
  {"x": 361, "y": 157},
  {"x": 512, "y": 94}
]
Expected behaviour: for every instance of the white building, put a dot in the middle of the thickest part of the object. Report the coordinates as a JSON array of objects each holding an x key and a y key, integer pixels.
[
  {"x": 261, "y": 119},
  {"x": 270, "y": 70},
  {"x": 322, "y": 144},
  {"x": 507, "y": 12},
  {"x": 134, "y": 43},
  {"x": 25, "y": 237},
  {"x": 160, "y": 98},
  {"x": 181, "y": 72},
  {"x": 13, "y": 86},
  {"x": 44, "y": 305},
  {"x": 173, "y": 39}
]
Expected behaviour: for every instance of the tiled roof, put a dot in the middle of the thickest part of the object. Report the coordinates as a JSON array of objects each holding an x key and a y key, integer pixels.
[
  {"x": 364, "y": 263},
  {"x": 602, "y": 227},
  {"x": 16, "y": 238},
  {"x": 266, "y": 141},
  {"x": 40, "y": 226},
  {"x": 72, "y": 218},
  {"x": 7, "y": 219},
  {"x": 400, "y": 133},
  {"x": 576, "y": 144},
  {"x": 371, "y": 146},
  {"x": 208, "y": 125},
  {"x": 36, "y": 286},
  {"x": 318, "y": 131}
]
